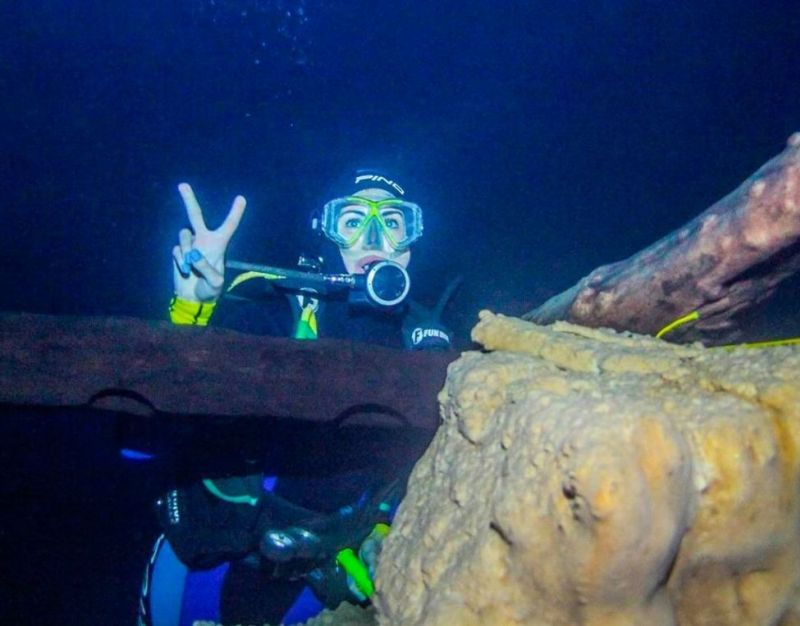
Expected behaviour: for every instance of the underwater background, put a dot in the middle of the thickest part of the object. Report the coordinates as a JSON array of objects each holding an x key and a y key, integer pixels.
[{"x": 542, "y": 139}]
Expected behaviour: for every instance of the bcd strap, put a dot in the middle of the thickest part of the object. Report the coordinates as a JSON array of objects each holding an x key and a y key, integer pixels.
[{"x": 306, "y": 327}]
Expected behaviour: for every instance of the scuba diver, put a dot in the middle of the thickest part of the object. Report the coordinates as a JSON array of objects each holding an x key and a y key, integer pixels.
[{"x": 244, "y": 548}]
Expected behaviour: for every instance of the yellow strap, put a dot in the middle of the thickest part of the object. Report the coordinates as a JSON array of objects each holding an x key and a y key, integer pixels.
[
  {"x": 764, "y": 344},
  {"x": 189, "y": 313},
  {"x": 694, "y": 315}
]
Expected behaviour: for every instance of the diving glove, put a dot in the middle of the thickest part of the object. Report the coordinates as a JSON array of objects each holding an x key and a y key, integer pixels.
[
  {"x": 427, "y": 335},
  {"x": 350, "y": 577},
  {"x": 422, "y": 330}
]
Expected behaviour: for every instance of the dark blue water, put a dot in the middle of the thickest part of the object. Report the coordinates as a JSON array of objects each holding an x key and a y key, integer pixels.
[{"x": 542, "y": 139}]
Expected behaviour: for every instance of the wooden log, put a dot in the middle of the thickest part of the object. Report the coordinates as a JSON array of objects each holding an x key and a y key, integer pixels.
[
  {"x": 723, "y": 263},
  {"x": 140, "y": 366}
]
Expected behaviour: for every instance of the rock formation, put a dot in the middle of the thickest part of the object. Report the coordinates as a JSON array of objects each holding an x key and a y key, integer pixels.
[
  {"x": 585, "y": 477},
  {"x": 723, "y": 263}
]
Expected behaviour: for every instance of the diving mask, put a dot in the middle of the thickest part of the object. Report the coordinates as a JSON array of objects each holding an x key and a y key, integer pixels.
[{"x": 344, "y": 220}]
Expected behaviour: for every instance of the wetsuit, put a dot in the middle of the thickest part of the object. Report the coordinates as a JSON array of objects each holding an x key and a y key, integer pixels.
[{"x": 210, "y": 564}]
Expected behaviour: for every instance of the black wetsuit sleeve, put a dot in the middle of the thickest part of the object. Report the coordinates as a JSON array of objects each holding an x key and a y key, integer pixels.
[
  {"x": 269, "y": 316},
  {"x": 207, "y": 525},
  {"x": 205, "y": 530}
]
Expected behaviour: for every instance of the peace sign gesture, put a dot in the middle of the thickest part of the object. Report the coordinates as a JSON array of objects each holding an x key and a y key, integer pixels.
[{"x": 199, "y": 257}]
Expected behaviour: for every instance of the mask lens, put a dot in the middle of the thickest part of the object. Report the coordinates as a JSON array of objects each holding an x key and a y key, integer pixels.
[
  {"x": 347, "y": 219},
  {"x": 351, "y": 222},
  {"x": 394, "y": 221}
]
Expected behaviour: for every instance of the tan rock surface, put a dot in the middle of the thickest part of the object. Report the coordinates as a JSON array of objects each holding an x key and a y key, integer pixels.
[
  {"x": 588, "y": 477},
  {"x": 345, "y": 615}
]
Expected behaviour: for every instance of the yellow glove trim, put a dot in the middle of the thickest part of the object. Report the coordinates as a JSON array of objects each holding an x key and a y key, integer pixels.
[
  {"x": 189, "y": 313},
  {"x": 381, "y": 530}
]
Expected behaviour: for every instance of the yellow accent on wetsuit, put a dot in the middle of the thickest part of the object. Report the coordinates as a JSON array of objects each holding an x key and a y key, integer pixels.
[
  {"x": 245, "y": 276},
  {"x": 187, "y": 312},
  {"x": 307, "y": 324}
]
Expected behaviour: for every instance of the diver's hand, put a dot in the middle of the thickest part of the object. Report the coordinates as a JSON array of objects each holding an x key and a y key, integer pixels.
[
  {"x": 370, "y": 548},
  {"x": 351, "y": 576},
  {"x": 199, "y": 257}
]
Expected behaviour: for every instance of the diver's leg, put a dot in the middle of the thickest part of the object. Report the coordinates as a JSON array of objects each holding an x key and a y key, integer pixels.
[
  {"x": 162, "y": 589},
  {"x": 252, "y": 596},
  {"x": 306, "y": 606}
]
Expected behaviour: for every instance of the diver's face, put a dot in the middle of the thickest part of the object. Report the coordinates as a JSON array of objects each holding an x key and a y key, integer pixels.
[{"x": 372, "y": 245}]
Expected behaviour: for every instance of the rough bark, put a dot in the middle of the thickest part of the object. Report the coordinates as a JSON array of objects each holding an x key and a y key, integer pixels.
[
  {"x": 721, "y": 264},
  {"x": 140, "y": 366}
]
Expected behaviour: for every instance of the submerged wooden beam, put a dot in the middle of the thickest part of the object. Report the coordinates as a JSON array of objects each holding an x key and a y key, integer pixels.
[
  {"x": 137, "y": 366},
  {"x": 721, "y": 264}
]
